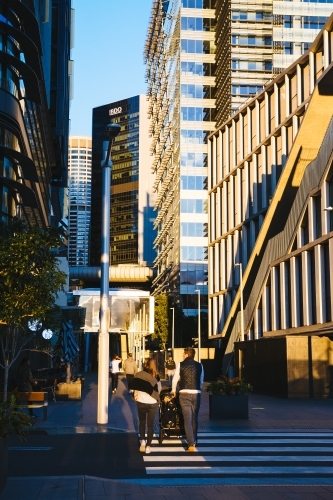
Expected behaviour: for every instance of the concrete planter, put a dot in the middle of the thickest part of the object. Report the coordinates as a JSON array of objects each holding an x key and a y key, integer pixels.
[
  {"x": 3, "y": 462},
  {"x": 222, "y": 406}
]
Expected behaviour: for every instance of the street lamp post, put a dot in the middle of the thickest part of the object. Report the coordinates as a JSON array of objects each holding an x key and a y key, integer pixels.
[
  {"x": 199, "y": 327},
  {"x": 241, "y": 298},
  {"x": 173, "y": 329},
  {"x": 112, "y": 131}
]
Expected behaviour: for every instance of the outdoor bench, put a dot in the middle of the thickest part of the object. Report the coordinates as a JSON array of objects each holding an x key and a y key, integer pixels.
[{"x": 30, "y": 400}]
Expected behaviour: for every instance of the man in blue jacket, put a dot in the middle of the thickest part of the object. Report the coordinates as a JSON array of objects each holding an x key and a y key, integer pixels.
[{"x": 190, "y": 375}]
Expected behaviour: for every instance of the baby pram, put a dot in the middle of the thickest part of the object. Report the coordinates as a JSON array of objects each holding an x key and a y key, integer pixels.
[{"x": 171, "y": 421}]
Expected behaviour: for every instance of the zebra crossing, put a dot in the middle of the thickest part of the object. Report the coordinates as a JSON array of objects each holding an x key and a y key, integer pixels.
[{"x": 279, "y": 456}]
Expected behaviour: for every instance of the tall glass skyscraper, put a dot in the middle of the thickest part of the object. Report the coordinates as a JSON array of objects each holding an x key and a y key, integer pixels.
[
  {"x": 180, "y": 58},
  {"x": 132, "y": 199},
  {"x": 79, "y": 183},
  {"x": 34, "y": 108}
]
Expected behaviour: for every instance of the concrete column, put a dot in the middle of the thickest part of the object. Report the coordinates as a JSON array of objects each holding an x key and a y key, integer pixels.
[
  {"x": 210, "y": 268},
  {"x": 212, "y": 216},
  {"x": 299, "y": 85},
  {"x": 325, "y": 215},
  {"x": 221, "y": 317},
  {"x": 294, "y": 295},
  {"x": 246, "y": 194},
  {"x": 295, "y": 126},
  {"x": 275, "y": 308},
  {"x": 238, "y": 198},
  {"x": 326, "y": 51},
  {"x": 213, "y": 172},
  {"x": 311, "y": 219},
  {"x": 256, "y": 324},
  {"x": 241, "y": 136},
  {"x": 287, "y": 86},
  {"x": 227, "y": 148},
  {"x": 224, "y": 209},
  {"x": 306, "y": 289},
  {"x": 219, "y": 159},
  {"x": 244, "y": 237},
  {"x": 312, "y": 71},
  {"x": 265, "y": 309},
  {"x": 320, "y": 284},
  {"x": 215, "y": 314},
  {"x": 231, "y": 203},
  {"x": 330, "y": 250},
  {"x": 229, "y": 261},
  {"x": 276, "y": 105},
  {"x": 216, "y": 267},
  {"x": 254, "y": 182},
  {"x": 218, "y": 224},
  {"x": 234, "y": 145},
  {"x": 274, "y": 162},
  {"x": 264, "y": 201},
  {"x": 283, "y": 294},
  {"x": 223, "y": 284}
]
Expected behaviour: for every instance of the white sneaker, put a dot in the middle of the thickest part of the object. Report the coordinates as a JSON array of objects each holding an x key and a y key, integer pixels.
[
  {"x": 129, "y": 392},
  {"x": 143, "y": 446},
  {"x": 148, "y": 449}
]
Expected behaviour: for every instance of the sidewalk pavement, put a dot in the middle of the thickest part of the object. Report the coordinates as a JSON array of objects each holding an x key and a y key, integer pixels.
[{"x": 265, "y": 413}]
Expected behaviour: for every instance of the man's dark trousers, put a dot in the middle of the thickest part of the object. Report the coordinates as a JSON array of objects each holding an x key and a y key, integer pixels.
[{"x": 190, "y": 405}]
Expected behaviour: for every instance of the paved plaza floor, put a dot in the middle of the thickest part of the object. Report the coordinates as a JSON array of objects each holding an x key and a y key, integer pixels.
[{"x": 270, "y": 418}]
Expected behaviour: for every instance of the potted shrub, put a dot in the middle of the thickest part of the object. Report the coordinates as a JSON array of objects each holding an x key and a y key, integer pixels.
[
  {"x": 228, "y": 398},
  {"x": 12, "y": 421}
]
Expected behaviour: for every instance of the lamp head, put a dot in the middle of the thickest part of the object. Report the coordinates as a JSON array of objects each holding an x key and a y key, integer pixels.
[{"x": 112, "y": 130}]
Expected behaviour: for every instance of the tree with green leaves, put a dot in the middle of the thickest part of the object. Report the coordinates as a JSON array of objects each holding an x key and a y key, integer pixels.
[
  {"x": 161, "y": 324},
  {"x": 30, "y": 279}
]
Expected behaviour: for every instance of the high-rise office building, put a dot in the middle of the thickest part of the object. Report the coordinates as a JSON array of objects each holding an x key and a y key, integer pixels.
[
  {"x": 270, "y": 230},
  {"x": 132, "y": 199},
  {"x": 34, "y": 101},
  {"x": 79, "y": 184},
  {"x": 257, "y": 40},
  {"x": 180, "y": 58}
]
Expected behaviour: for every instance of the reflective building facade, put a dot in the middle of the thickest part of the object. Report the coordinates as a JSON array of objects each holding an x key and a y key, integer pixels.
[
  {"x": 79, "y": 184},
  {"x": 180, "y": 59},
  {"x": 132, "y": 200},
  {"x": 34, "y": 103}
]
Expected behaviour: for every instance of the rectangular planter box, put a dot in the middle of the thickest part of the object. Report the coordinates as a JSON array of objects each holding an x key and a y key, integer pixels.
[
  {"x": 72, "y": 390},
  {"x": 222, "y": 406}
]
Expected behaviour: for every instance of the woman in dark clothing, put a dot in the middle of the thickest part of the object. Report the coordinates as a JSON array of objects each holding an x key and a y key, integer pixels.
[
  {"x": 146, "y": 395},
  {"x": 25, "y": 380}
]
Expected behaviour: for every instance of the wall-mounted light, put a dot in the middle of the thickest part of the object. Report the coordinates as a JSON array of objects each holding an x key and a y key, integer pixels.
[{"x": 47, "y": 334}]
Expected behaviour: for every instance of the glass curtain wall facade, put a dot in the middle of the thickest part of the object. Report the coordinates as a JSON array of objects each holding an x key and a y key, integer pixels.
[
  {"x": 256, "y": 41},
  {"x": 132, "y": 199},
  {"x": 270, "y": 171},
  {"x": 180, "y": 58},
  {"x": 79, "y": 183},
  {"x": 28, "y": 160}
]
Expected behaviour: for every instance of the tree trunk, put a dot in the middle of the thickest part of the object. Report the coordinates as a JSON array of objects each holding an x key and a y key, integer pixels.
[
  {"x": 5, "y": 382},
  {"x": 68, "y": 373}
]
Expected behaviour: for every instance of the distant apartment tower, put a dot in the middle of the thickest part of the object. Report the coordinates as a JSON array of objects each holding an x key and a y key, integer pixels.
[
  {"x": 79, "y": 183},
  {"x": 255, "y": 41},
  {"x": 180, "y": 58},
  {"x": 132, "y": 200}
]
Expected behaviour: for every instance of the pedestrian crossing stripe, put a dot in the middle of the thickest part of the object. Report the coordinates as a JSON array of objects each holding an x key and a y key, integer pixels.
[
  {"x": 228, "y": 449},
  {"x": 231, "y": 458},
  {"x": 244, "y": 455},
  {"x": 232, "y": 471}
]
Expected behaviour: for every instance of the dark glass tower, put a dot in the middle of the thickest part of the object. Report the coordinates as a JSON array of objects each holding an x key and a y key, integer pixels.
[
  {"x": 34, "y": 103},
  {"x": 132, "y": 216}
]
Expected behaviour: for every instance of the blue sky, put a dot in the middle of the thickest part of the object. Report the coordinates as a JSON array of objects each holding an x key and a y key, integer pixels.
[{"x": 109, "y": 38}]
